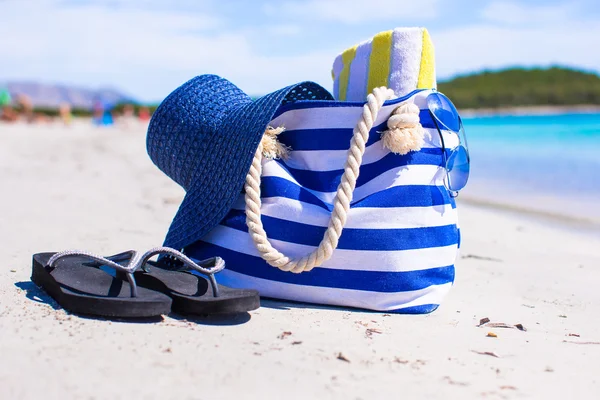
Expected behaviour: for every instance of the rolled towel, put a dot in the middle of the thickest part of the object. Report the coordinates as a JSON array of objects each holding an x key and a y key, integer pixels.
[{"x": 401, "y": 59}]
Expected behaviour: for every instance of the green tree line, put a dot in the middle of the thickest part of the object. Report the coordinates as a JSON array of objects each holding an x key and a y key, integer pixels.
[
  {"x": 521, "y": 87},
  {"x": 83, "y": 112}
]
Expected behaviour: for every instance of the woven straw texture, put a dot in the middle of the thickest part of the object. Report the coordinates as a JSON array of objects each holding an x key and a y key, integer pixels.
[{"x": 204, "y": 136}]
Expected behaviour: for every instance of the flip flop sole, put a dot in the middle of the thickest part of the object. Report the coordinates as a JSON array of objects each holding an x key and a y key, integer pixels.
[
  {"x": 193, "y": 294},
  {"x": 88, "y": 290}
]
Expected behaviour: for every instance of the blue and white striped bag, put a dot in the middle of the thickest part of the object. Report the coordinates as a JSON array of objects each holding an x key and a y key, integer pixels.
[{"x": 400, "y": 242}]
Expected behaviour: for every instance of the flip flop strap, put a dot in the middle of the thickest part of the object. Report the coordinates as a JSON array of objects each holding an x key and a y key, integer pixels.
[
  {"x": 208, "y": 267},
  {"x": 138, "y": 261},
  {"x": 127, "y": 270}
]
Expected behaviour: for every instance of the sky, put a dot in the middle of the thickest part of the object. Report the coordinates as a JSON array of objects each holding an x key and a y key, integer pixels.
[{"x": 147, "y": 48}]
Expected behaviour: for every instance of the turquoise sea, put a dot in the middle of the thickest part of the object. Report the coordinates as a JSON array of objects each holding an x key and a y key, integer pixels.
[{"x": 546, "y": 163}]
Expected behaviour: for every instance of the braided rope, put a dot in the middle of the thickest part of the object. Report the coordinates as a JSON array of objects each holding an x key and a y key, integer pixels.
[{"x": 343, "y": 196}]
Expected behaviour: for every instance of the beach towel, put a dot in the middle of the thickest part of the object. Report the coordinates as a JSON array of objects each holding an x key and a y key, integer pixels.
[{"x": 401, "y": 59}]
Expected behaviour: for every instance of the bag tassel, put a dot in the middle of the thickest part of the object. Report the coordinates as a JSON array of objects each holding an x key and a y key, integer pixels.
[
  {"x": 404, "y": 133},
  {"x": 271, "y": 147}
]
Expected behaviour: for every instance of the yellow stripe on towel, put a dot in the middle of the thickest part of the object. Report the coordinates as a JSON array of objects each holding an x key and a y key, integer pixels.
[
  {"x": 427, "y": 70},
  {"x": 379, "y": 63},
  {"x": 347, "y": 57}
]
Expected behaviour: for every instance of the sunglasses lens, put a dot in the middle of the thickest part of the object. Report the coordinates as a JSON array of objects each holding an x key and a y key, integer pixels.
[
  {"x": 444, "y": 111},
  {"x": 458, "y": 168},
  {"x": 447, "y": 118}
]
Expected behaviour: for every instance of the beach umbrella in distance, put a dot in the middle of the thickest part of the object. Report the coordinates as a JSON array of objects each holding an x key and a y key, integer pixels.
[
  {"x": 107, "y": 118},
  {"x": 5, "y": 98}
]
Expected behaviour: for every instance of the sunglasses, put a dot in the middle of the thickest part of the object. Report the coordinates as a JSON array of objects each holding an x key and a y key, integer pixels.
[{"x": 456, "y": 159}]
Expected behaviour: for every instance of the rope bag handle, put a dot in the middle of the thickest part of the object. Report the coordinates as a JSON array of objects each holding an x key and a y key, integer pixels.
[{"x": 404, "y": 134}]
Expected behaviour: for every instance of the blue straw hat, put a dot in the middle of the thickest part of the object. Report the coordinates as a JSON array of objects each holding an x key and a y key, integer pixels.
[{"x": 204, "y": 136}]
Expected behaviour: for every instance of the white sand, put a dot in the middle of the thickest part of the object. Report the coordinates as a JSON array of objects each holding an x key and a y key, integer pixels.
[{"x": 96, "y": 189}]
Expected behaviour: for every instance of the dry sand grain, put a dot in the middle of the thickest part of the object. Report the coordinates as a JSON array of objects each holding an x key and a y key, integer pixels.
[{"x": 96, "y": 189}]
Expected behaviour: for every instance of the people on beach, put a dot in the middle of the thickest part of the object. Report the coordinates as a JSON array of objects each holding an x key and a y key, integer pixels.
[
  {"x": 5, "y": 98},
  {"x": 7, "y": 113},
  {"x": 128, "y": 111},
  {"x": 19, "y": 107},
  {"x": 97, "y": 113},
  {"x": 64, "y": 111},
  {"x": 102, "y": 114},
  {"x": 127, "y": 117},
  {"x": 144, "y": 114},
  {"x": 25, "y": 106}
]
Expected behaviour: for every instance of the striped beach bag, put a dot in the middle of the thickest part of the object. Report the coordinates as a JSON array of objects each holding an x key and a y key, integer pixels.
[{"x": 343, "y": 220}]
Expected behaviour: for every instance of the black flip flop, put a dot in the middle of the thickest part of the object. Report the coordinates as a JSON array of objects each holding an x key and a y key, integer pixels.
[
  {"x": 82, "y": 288},
  {"x": 191, "y": 293}
]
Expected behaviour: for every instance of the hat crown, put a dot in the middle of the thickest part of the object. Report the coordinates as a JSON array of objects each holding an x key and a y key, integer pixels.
[
  {"x": 186, "y": 122},
  {"x": 204, "y": 136}
]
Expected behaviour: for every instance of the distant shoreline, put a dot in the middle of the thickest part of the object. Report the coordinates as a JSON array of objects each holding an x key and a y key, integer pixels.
[{"x": 530, "y": 110}]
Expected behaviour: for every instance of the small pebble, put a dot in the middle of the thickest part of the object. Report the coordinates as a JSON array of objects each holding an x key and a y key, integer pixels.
[{"x": 521, "y": 327}]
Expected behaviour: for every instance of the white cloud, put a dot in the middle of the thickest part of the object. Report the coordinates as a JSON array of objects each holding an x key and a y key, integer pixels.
[
  {"x": 355, "y": 11},
  {"x": 512, "y": 13},
  {"x": 92, "y": 30},
  {"x": 283, "y": 29},
  {"x": 145, "y": 52},
  {"x": 472, "y": 48}
]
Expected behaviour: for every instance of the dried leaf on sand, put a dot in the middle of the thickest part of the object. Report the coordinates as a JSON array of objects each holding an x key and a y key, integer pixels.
[
  {"x": 487, "y": 353},
  {"x": 284, "y": 335},
  {"x": 370, "y": 331}
]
